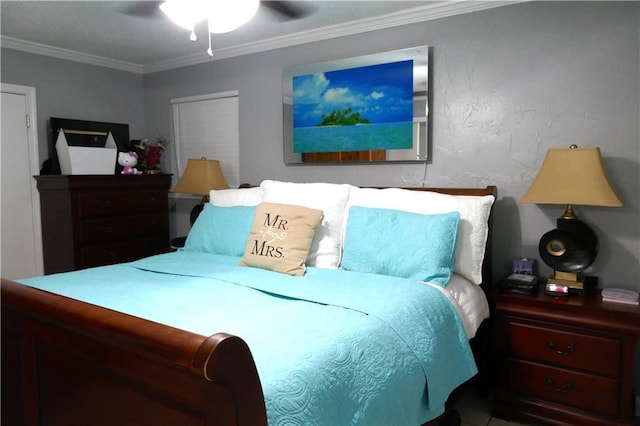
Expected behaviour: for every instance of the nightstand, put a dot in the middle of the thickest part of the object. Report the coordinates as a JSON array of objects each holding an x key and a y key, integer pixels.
[{"x": 564, "y": 360}]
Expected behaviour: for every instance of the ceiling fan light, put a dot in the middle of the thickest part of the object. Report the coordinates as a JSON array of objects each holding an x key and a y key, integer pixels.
[
  {"x": 184, "y": 13},
  {"x": 226, "y": 16}
]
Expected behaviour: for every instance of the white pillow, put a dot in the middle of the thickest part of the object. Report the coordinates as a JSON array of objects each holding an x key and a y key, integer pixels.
[
  {"x": 473, "y": 228},
  {"x": 235, "y": 197},
  {"x": 326, "y": 247}
]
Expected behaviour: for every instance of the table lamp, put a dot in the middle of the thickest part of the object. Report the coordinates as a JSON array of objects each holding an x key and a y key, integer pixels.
[
  {"x": 571, "y": 176},
  {"x": 199, "y": 177}
]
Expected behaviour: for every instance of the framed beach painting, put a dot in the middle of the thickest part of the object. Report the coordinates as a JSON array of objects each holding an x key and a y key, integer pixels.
[{"x": 370, "y": 108}]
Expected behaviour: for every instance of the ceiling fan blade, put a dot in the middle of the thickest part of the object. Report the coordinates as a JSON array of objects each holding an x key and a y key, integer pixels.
[
  {"x": 142, "y": 9},
  {"x": 288, "y": 9}
]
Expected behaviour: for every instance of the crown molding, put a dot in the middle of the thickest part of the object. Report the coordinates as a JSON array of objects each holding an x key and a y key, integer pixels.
[
  {"x": 69, "y": 55},
  {"x": 410, "y": 16}
]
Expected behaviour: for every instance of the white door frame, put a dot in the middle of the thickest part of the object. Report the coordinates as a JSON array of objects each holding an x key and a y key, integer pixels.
[{"x": 34, "y": 164}]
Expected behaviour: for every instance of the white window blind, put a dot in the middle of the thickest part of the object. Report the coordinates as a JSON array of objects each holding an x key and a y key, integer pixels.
[{"x": 208, "y": 126}]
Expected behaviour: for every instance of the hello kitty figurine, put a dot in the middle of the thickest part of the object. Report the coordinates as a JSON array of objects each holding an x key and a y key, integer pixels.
[{"x": 128, "y": 160}]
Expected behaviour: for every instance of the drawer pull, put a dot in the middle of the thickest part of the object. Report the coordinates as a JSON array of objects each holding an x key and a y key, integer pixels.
[
  {"x": 566, "y": 388},
  {"x": 570, "y": 348}
]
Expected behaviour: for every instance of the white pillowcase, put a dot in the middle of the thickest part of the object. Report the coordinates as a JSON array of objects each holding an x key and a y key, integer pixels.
[
  {"x": 326, "y": 247},
  {"x": 473, "y": 228},
  {"x": 235, "y": 197}
]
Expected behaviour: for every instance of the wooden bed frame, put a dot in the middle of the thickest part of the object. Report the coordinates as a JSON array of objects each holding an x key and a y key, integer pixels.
[{"x": 66, "y": 362}]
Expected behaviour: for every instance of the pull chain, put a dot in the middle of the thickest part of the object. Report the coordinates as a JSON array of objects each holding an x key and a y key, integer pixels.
[{"x": 209, "y": 51}]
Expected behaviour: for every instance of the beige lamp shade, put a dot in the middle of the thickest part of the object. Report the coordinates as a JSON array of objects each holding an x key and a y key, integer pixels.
[
  {"x": 201, "y": 176},
  {"x": 572, "y": 176}
]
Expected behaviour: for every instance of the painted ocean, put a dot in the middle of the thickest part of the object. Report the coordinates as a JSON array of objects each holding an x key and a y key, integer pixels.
[{"x": 361, "y": 137}]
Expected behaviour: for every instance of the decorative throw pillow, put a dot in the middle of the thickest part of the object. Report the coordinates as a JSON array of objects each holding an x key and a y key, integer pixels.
[
  {"x": 280, "y": 237},
  {"x": 401, "y": 244},
  {"x": 331, "y": 198},
  {"x": 221, "y": 230}
]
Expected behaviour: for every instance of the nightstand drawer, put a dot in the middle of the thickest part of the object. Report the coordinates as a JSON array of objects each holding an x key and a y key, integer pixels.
[
  {"x": 120, "y": 228},
  {"x": 584, "y": 391},
  {"x": 100, "y": 204},
  {"x": 548, "y": 343}
]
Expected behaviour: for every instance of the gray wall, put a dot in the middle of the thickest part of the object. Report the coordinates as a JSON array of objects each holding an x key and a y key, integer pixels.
[
  {"x": 74, "y": 90},
  {"x": 507, "y": 84}
]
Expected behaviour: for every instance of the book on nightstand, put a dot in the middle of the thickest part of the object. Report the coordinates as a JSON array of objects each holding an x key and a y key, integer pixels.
[{"x": 618, "y": 295}]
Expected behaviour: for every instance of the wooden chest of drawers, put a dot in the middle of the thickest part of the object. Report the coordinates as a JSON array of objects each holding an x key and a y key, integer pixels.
[
  {"x": 565, "y": 360},
  {"x": 102, "y": 219}
]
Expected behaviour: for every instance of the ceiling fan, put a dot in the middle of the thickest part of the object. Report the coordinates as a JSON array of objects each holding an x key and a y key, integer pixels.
[
  {"x": 282, "y": 10},
  {"x": 220, "y": 17}
]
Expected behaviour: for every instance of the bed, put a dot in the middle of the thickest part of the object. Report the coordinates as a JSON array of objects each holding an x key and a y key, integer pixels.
[{"x": 369, "y": 324}]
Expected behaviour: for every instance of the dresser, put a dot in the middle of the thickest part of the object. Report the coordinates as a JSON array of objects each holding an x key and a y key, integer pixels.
[
  {"x": 94, "y": 220},
  {"x": 564, "y": 360}
]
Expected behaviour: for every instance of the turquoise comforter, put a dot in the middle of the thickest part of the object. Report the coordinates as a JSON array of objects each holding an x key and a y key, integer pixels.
[{"x": 331, "y": 347}]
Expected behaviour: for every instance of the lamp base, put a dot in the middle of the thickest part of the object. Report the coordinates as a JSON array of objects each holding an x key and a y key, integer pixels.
[
  {"x": 197, "y": 209},
  {"x": 580, "y": 284},
  {"x": 568, "y": 279},
  {"x": 571, "y": 247},
  {"x": 195, "y": 212}
]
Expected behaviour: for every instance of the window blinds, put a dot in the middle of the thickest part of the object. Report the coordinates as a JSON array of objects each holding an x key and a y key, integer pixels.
[{"x": 208, "y": 126}]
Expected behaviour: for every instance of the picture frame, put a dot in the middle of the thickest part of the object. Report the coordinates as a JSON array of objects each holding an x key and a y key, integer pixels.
[{"x": 366, "y": 109}]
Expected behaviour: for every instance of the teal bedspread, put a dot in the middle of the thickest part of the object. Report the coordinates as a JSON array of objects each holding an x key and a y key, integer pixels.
[{"x": 331, "y": 347}]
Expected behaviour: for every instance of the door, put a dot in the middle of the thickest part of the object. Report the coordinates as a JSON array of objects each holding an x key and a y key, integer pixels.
[{"x": 20, "y": 230}]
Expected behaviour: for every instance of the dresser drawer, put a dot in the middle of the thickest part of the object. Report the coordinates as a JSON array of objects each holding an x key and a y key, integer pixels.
[
  {"x": 122, "y": 251},
  {"x": 101, "y": 204},
  {"x": 580, "y": 390},
  {"x": 549, "y": 344},
  {"x": 120, "y": 228}
]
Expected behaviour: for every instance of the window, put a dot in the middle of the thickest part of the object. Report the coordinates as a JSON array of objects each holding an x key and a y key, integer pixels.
[{"x": 208, "y": 126}]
